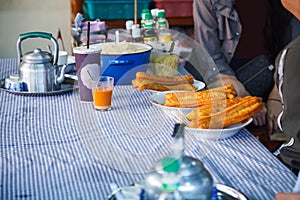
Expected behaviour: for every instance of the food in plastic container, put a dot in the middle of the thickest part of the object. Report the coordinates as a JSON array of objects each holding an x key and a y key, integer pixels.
[{"x": 164, "y": 64}]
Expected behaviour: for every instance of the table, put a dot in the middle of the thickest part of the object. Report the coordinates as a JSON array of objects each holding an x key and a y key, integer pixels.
[{"x": 55, "y": 147}]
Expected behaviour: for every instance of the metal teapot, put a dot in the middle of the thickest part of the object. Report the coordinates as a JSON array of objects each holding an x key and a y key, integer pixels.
[
  {"x": 37, "y": 69},
  {"x": 195, "y": 181}
]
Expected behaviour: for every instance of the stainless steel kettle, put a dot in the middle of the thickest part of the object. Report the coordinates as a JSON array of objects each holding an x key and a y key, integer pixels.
[
  {"x": 37, "y": 69},
  {"x": 195, "y": 181}
]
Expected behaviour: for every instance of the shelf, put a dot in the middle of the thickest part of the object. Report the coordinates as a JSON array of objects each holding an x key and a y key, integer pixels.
[{"x": 178, "y": 21}]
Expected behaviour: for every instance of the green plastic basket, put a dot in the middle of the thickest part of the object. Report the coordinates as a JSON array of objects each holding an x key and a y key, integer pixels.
[{"x": 113, "y": 10}]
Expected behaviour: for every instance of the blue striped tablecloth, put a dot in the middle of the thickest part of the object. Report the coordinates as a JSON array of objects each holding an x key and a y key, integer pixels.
[{"x": 54, "y": 147}]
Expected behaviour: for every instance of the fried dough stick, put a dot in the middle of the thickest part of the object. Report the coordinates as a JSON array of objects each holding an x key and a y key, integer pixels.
[
  {"x": 195, "y": 99},
  {"x": 211, "y": 108},
  {"x": 231, "y": 115},
  {"x": 164, "y": 80},
  {"x": 142, "y": 85},
  {"x": 159, "y": 87}
]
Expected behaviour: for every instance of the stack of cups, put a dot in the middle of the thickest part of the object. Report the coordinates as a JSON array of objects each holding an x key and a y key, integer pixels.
[{"x": 88, "y": 69}]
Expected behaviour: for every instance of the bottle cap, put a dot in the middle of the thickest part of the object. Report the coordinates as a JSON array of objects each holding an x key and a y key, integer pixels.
[
  {"x": 154, "y": 12},
  {"x": 161, "y": 13},
  {"x": 148, "y": 16},
  {"x": 129, "y": 24},
  {"x": 170, "y": 164},
  {"x": 144, "y": 12}
]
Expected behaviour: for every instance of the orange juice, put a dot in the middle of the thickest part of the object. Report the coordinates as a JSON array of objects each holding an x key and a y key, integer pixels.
[{"x": 102, "y": 97}]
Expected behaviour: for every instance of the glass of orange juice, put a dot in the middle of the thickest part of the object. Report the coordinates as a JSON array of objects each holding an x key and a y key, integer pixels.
[{"x": 102, "y": 92}]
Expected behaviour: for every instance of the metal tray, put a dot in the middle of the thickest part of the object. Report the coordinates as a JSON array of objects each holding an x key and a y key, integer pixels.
[
  {"x": 68, "y": 85},
  {"x": 224, "y": 193}
]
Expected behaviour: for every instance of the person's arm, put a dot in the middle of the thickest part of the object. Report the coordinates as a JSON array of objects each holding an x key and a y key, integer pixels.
[
  {"x": 294, "y": 195},
  {"x": 288, "y": 196},
  {"x": 224, "y": 79},
  {"x": 293, "y": 6},
  {"x": 217, "y": 28},
  {"x": 216, "y": 32}
]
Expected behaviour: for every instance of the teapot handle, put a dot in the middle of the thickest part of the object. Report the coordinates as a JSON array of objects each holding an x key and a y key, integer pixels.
[{"x": 49, "y": 36}]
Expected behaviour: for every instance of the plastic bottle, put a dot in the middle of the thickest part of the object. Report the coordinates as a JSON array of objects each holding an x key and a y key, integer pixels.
[
  {"x": 154, "y": 13},
  {"x": 129, "y": 24},
  {"x": 137, "y": 34},
  {"x": 149, "y": 33},
  {"x": 163, "y": 31},
  {"x": 143, "y": 17},
  {"x": 161, "y": 16},
  {"x": 171, "y": 178}
]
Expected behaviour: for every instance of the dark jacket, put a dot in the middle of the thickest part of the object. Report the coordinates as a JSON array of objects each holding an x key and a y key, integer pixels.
[{"x": 288, "y": 82}]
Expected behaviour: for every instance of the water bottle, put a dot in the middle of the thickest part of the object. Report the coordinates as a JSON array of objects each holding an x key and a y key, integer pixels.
[
  {"x": 149, "y": 33},
  {"x": 143, "y": 17},
  {"x": 137, "y": 34},
  {"x": 170, "y": 179},
  {"x": 163, "y": 31}
]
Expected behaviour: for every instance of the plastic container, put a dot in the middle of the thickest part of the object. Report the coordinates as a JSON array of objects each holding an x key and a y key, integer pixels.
[
  {"x": 110, "y": 10},
  {"x": 95, "y": 26},
  {"x": 171, "y": 7},
  {"x": 164, "y": 63}
]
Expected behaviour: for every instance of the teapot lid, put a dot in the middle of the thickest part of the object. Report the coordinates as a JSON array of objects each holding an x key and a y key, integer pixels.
[
  {"x": 190, "y": 166},
  {"x": 37, "y": 56}
]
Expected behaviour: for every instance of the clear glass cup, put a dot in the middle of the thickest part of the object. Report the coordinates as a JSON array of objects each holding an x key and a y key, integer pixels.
[{"x": 102, "y": 90}]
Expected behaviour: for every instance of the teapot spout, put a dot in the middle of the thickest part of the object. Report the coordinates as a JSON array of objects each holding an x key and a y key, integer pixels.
[
  {"x": 178, "y": 141},
  {"x": 61, "y": 77}
]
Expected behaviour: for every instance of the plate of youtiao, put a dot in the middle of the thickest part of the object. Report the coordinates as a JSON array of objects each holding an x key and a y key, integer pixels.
[
  {"x": 159, "y": 99},
  {"x": 147, "y": 81},
  {"x": 215, "y": 113}
]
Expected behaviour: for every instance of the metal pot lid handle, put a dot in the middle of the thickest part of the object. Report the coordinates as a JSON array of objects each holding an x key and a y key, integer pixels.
[{"x": 49, "y": 36}]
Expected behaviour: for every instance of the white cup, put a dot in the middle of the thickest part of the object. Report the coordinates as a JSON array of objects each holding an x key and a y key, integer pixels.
[{"x": 62, "y": 58}]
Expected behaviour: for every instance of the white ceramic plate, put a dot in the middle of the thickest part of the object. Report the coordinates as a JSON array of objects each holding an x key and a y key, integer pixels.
[
  {"x": 159, "y": 98},
  {"x": 215, "y": 134},
  {"x": 199, "y": 85}
]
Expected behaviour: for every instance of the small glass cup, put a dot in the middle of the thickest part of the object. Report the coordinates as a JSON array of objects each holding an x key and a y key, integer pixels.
[{"x": 102, "y": 92}]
